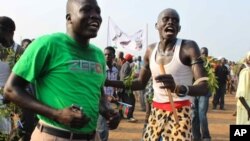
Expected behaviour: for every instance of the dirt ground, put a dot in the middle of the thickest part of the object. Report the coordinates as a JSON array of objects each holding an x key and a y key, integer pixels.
[{"x": 219, "y": 123}]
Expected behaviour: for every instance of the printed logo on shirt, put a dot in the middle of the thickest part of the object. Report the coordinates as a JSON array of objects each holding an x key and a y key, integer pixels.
[{"x": 83, "y": 65}]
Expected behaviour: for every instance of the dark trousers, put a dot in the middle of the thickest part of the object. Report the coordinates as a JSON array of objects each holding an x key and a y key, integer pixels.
[
  {"x": 129, "y": 98},
  {"x": 29, "y": 122},
  {"x": 219, "y": 96}
]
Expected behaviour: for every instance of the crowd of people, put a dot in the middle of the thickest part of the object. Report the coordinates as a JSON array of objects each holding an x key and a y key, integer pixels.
[{"x": 69, "y": 89}]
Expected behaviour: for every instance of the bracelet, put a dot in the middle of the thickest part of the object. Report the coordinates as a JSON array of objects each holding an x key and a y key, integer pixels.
[
  {"x": 187, "y": 89},
  {"x": 197, "y": 61},
  {"x": 185, "y": 94}
]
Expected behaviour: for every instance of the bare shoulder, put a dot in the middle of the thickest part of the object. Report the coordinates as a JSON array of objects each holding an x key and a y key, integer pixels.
[
  {"x": 189, "y": 44},
  {"x": 150, "y": 49},
  {"x": 190, "y": 49},
  {"x": 148, "y": 53}
]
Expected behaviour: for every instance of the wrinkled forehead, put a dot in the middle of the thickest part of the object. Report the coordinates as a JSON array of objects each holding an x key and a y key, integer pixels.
[
  {"x": 77, "y": 4},
  {"x": 169, "y": 13},
  {"x": 87, "y": 2}
]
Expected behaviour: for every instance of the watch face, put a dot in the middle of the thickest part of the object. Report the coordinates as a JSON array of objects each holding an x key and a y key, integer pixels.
[{"x": 182, "y": 89}]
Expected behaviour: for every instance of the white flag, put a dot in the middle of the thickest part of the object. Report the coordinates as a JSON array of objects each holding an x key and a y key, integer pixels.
[{"x": 119, "y": 39}]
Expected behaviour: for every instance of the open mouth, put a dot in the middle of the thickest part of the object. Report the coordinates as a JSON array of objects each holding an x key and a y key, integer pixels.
[
  {"x": 94, "y": 25},
  {"x": 169, "y": 30}
]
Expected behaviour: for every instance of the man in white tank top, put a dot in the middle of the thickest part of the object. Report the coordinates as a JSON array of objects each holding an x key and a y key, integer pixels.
[{"x": 182, "y": 63}]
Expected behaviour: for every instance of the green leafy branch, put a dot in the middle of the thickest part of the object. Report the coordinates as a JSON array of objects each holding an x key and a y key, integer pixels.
[
  {"x": 10, "y": 56},
  {"x": 128, "y": 81},
  {"x": 7, "y": 109},
  {"x": 212, "y": 79}
]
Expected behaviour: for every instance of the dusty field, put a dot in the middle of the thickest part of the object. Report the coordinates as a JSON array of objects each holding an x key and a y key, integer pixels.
[{"x": 219, "y": 122}]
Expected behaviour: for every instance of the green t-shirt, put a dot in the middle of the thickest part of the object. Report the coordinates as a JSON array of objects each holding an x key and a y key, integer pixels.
[{"x": 64, "y": 74}]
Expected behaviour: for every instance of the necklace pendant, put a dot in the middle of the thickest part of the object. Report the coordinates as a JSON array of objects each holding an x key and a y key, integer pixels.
[{"x": 167, "y": 53}]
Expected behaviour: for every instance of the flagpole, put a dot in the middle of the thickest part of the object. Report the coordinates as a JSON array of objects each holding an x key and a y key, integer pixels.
[
  {"x": 108, "y": 32},
  {"x": 146, "y": 35},
  {"x": 146, "y": 38}
]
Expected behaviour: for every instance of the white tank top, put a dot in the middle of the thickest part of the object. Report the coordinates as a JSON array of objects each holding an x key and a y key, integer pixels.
[{"x": 181, "y": 73}]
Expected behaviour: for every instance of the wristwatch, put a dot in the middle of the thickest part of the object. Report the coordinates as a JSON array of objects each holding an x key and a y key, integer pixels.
[{"x": 183, "y": 91}]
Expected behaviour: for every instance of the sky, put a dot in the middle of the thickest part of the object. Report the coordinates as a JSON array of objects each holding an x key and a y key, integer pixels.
[{"x": 220, "y": 25}]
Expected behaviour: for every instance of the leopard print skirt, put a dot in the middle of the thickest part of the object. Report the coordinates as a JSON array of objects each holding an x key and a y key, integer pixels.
[{"x": 161, "y": 124}]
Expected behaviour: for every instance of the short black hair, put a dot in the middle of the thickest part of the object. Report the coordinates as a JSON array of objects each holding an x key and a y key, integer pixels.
[
  {"x": 205, "y": 50},
  {"x": 7, "y": 23},
  {"x": 26, "y": 40},
  {"x": 112, "y": 49}
]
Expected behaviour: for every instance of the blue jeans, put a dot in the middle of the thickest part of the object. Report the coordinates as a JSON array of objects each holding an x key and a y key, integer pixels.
[
  {"x": 199, "y": 117},
  {"x": 102, "y": 128}
]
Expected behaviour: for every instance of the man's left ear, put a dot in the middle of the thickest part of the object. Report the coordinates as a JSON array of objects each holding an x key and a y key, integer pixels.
[
  {"x": 179, "y": 28},
  {"x": 156, "y": 26},
  {"x": 68, "y": 17}
]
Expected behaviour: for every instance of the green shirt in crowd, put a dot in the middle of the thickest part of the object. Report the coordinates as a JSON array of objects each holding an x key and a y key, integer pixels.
[{"x": 64, "y": 73}]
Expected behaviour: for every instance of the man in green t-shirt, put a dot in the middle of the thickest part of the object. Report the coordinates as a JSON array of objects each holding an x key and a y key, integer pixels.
[{"x": 68, "y": 73}]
